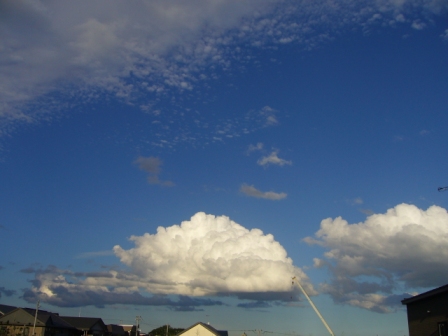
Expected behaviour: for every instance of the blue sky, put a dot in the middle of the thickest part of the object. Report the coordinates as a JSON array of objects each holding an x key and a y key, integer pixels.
[{"x": 183, "y": 160}]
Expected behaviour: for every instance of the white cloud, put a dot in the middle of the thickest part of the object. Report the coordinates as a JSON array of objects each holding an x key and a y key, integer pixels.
[
  {"x": 152, "y": 165},
  {"x": 85, "y": 49},
  {"x": 273, "y": 159},
  {"x": 445, "y": 35},
  {"x": 254, "y": 192},
  {"x": 253, "y": 148},
  {"x": 404, "y": 248},
  {"x": 418, "y": 25},
  {"x": 355, "y": 201},
  {"x": 269, "y": 115},
  {"x": 207, "y": 255}
]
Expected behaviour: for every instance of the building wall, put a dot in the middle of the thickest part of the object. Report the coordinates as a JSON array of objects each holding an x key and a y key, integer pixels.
[
  {"x": 425, "y": 315},
  {"x": 198, "y": 331},
  {"x": 20, "y": 330}
]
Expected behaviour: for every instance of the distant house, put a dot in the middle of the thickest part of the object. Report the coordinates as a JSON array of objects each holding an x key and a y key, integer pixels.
[
  {"x": 20, "y": 322},
  {"x": 428, "y": 313},
  {"x": 202, "y": 329},
  {"x": 129, "y": 329},
  {"x": 116, "y": 330},
  {"x": 90, "y": 326}
]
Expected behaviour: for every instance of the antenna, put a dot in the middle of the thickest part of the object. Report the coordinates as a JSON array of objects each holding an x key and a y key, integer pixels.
[
  {"x": 312, "y": 305},
  {"x": 35, "y": 316}
]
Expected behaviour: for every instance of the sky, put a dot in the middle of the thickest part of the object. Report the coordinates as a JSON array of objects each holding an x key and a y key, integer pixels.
[{"x": 182, "y": 161}]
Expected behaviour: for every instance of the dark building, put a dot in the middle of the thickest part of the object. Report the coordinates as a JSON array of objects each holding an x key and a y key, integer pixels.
[
  {"x": 25, "y": 322},
  {"x": 428, "y": 313}
]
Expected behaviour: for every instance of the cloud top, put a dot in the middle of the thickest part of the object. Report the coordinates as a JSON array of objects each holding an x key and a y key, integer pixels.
[{"x": 208, "y": 255}]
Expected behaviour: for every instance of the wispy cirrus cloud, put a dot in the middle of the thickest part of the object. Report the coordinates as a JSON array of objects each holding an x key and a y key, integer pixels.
[
  {"x": 57, "y": 53},
  {"x": 250, "y": 190},
  {"x": 95, "y": 254},
  {"x": 273, "y": 159},
  {"x": 355, "y": 201}
]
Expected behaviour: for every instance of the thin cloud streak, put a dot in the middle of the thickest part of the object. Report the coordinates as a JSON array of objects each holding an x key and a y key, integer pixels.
[
  {"x": 273, "y": 159},
  {"x": 250, "y": 190},
  {"x": 105, "y": 253}
]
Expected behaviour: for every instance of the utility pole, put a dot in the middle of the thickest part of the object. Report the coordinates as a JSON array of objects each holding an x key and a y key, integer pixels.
[
  {"x": 35, "y": 317},
  {"x": 137, "y": 327},
  {"x": 167, "y": 327},
  {"x": 312, "y": 305}
]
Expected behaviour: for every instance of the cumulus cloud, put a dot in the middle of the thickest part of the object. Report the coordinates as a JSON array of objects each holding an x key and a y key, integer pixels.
[
  {"x": 152, "y": 165},
  {"x": 402, "y": 249},
  {"x": 205, "y": 256},
  {"x": 273, "y": 159},
  {"x": 86, "y": 49},
  {"x": 254, "y": 192}
]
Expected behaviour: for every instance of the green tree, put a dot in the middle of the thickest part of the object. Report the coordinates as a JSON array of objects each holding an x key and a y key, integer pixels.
[{"x": 162, "y": 331}]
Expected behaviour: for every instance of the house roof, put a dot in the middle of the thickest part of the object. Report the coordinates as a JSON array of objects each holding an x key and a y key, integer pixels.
[
  {"x": 208, "y": 327},
  {"x": 115, "y": 329},
  {"x": 25, "y": 316},
  {"x": 83, "y": 323},
  {"x": 5, "y": 309},
  {"x": 426, "y": 295},
  {"x": 48, "y": 318}
]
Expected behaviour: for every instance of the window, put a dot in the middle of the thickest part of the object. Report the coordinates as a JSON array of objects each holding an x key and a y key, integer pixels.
[{"x": 443, "y": 329}]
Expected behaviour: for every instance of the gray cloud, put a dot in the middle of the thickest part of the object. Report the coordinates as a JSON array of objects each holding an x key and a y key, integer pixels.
[
  {"x": 7, "y": 292},
  {"x": 152, "y": 166},
  {"x": 64, "y": 288},
  {"x": 255, "y": 305},
  {"x": 254, "y": 192}
]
